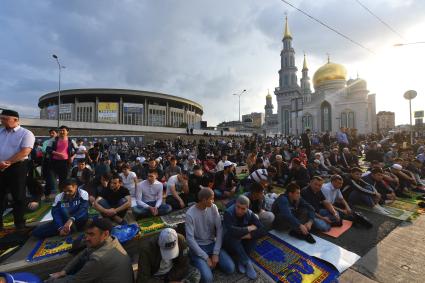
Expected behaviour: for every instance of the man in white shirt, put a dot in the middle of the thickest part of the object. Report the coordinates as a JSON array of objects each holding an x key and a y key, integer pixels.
[
  {"x": 332, "y": 193},
  {"x": 149, "y": 197},
  {"x": 220, "y": 164},
  {"x": 178, "y": 190},
  {"x": 81, "y": 152},
  {"x": 129, "y": 179}
]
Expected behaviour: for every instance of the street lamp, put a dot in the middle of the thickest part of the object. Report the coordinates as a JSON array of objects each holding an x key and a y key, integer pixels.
[
  {"x": 59, "y": 86},
  {"x": 409, "y": 95},
  {"x": 408, "y": 43},
  {"x": 239, "y": 95}
]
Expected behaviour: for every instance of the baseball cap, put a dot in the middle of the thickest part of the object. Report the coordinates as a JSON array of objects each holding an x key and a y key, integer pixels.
[
  {"x": 227, "y": 163},
  {"x": 10, "y": 113},
  {"x": 168, "y": 244},
  {"x": 397, "y": 166}
]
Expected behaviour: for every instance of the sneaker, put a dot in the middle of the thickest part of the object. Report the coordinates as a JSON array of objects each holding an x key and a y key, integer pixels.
[
  {"x": 295, "y": 234},
  {"x": 250, "y": 271},
  {"x": 309, "y": 238},
  {"x": 241, "y": 268}
]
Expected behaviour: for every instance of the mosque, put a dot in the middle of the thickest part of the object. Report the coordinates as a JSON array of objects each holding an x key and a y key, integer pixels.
[{"x": 336, "y": 102}]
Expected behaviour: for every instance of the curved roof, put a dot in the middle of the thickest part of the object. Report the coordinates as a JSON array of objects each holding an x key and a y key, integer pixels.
[
  {"x": 329, "y": 72},
  {"x": 112, "y": 91}
]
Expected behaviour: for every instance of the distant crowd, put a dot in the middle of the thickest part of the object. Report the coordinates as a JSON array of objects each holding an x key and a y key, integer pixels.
[{"x": 323, "y": 177}]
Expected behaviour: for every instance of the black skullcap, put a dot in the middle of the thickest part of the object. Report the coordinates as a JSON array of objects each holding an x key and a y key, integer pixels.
[
  {"x": 10, "y": 113},
  {"x": 103, "y": 224}
]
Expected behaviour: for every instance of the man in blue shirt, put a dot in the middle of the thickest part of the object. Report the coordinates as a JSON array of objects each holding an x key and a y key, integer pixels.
[
  {"x": 242, "y": 228},
  {"x": 69, "y": 211},
  {"x": 294, "y": 213}
]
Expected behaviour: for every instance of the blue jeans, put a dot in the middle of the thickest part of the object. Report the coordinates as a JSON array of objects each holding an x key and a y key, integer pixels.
[
  {"x": 104, "y": 203},
  {"x": 163, "y": 209},
  {"x": 360, "y": 198},
  {"x": 225, "y": 263},
  {"x": 51, "y": 229},
  {"x": 322, "y": 225},
  {"x": 239, "y": 248}
]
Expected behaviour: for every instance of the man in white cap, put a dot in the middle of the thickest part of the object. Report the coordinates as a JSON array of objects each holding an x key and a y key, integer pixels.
[{"x": 164, "y": 258}]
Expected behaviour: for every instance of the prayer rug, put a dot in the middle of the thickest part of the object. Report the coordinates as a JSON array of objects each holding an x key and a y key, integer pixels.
[
  {"x": 399, "y": 204},
  {"x": 413, "y": 197},
  {"x": 278, "y": 189},
  {"x": 175, "y": 217},
  {"x": 93, "y": 213},
  {"x": 285, "y": 263},
  {"x": 150, "y": 225},
  {"x": 30, "y": 217},
  {"x": 338, "y": 231},
  {"x": 5, "y": 253},
  {"x": 125, "y": 233},
  {"x": 392, "y": 212},
  {"x": 52, "y": 247}
]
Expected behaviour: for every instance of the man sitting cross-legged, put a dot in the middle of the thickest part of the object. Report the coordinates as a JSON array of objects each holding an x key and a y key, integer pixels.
[
  {"x": 332, "y": 193},
  {"x": 104, "y": 260},
  {"x": 242, "y": 229},
  {"x": 204, "y": 235},
  {"x": 69, "y": 211},
  {"x": 178, "y": 190},
  {"x": 359, "y": 192},
  {"x": 149, "y": 197},
  {"x": 114, "y": 201},
  {"x": 326, "y": 215},
  {"x": 257, "y": 205},
  {"x": 224, "y": 184},
  {"x": 294, "y": 213},
  {"x": 164, "y": 258}
]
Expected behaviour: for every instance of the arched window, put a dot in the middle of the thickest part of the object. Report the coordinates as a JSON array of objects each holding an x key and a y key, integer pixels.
[
  {"x": 286, "y": 62},
  {"x": 285, "y": 80},
  {"x": 307, "y": 122},
  {"x": 347, "y": 119},
  {"x": 326, "y": 116}
]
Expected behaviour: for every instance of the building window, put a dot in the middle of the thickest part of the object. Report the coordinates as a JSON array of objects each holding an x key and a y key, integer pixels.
[
  {"x": 286, "y": 62},
  {"x": 286, "y": 80},
  {"x": 351, "y": 121},
  {"x": 344, "y": 120},
  {"x": 307, "y": 122},
  {"x": 326, "y": 116}
]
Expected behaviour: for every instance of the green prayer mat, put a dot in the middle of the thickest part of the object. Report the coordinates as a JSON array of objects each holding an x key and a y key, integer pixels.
[
  {"x": 412, "y": 197},
  {"x": 93, "y": 212},
  {"x": 30, "y": 217},
  {"x": 150, "y": 225},
  {"x": 408, "y": 206},
  {"x": 242, "y": 176}
]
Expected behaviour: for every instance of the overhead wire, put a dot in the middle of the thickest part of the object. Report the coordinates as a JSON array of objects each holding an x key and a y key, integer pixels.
[
  {"x": 379, "y": 19},
  {"x": 329, "y": 27}
]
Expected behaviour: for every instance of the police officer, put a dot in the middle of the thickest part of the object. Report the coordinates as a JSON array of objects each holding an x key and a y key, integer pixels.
[{"x": 16, "y": 144}]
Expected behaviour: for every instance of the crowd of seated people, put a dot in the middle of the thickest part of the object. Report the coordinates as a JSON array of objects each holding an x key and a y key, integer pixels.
[{"x": 322, "y": 186}]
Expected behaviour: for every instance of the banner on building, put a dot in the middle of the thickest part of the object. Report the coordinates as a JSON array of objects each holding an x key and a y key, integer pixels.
[
  {"x": 65, "y": 108},
  {"x": 52, "y": 112},
  {"x": 419, "y": 114},
  {"x": 133, "y": 108},
  {"x": 107, "y": 112}
]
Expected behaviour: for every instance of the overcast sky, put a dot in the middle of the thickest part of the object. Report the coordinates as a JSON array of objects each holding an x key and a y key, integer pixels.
[{"x": 204, "y": 50}]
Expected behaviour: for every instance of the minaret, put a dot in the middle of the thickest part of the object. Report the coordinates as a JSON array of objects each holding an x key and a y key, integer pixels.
[
  {"x": 288, "y": 70},
  {"x": 305, "y": 82},
  {"x": 269, "y": 106}
]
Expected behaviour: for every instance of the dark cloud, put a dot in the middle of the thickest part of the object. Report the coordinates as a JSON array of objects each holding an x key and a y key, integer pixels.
[{"x": 201, "y": 50}]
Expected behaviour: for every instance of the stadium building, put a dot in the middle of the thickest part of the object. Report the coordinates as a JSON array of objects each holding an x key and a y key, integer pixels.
[{"x": 121, "y": 106}]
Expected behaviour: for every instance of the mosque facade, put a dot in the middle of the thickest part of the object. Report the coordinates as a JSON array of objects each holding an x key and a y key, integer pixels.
[{"x": 336, "y": 102}]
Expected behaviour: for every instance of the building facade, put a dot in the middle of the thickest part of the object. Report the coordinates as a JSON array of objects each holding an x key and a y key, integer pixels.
[
  {"x": 335, "y": 101},
  {"x": 385, "y": 121},
  {"x": 121, "y": 106}
]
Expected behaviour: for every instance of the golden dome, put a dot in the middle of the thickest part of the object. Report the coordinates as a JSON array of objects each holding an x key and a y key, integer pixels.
[
  {"x": 269, "y": 96},
  {"x": 329, "y": 72}
]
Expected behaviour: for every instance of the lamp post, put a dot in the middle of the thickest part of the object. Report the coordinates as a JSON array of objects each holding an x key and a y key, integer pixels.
[
  {"x": 409, "y": 95},
  {"x": 408, "y": 43},
  {"x": 239, "y": 95},
  {"x": 59, "y": 86}
]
